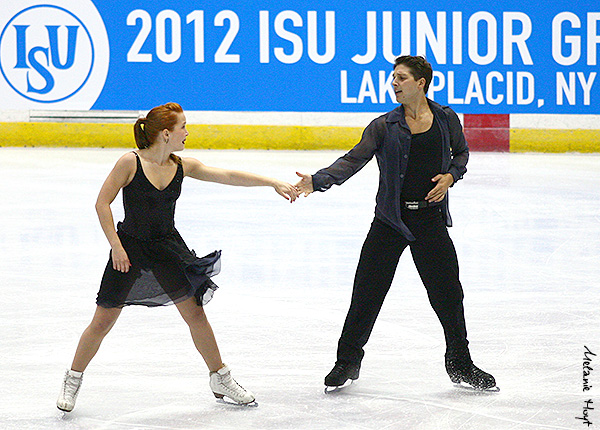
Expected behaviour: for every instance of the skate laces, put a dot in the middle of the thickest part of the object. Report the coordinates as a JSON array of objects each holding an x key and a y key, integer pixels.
[
  {"x": 478, "y": 372},
  {"x": 340, "y": 368},
  {"x": 227, "y": 382},
  {"x": 71, "y": 385},
  {"x": 477, "y": 378},
  {"x": 481, "y": 378}
]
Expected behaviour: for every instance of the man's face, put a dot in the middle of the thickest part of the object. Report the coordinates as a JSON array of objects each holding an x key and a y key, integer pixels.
[{"x": 405, "y": 85}]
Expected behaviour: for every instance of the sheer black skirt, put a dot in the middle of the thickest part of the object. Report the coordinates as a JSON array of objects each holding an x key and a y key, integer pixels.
[{"x": 163, "y": 271}]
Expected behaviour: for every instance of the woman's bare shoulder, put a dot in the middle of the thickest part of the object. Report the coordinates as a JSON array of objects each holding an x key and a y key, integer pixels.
[
  {"x": 127, "y": 160},
  {"x": 125, "y": 167}
]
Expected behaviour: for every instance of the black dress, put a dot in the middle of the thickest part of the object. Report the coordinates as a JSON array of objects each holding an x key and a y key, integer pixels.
[{"x": 163, "y": 269}]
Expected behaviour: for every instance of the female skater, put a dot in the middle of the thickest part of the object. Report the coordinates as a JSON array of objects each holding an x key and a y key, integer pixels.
[{"x": 149, "y": 262}]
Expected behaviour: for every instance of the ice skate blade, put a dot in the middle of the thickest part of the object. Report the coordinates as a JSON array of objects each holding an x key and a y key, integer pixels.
[
  {"x": 467, "y": 387},
  {"x": 225, "y": 401},
  {"x": 65, "y": 410},
  {"x": 338, "y": 388}
]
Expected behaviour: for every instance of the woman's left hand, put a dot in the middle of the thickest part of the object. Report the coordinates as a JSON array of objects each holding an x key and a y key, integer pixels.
[{"x": 437, "y": 194}]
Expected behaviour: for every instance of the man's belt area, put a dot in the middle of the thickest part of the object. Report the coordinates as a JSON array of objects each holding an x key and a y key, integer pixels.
[{"x": 415, "y": 205}]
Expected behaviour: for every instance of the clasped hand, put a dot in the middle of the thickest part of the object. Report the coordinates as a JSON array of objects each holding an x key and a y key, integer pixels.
[{"x": 305, "y": 184}]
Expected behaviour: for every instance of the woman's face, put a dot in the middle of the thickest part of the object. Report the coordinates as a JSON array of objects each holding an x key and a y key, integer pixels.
[
  {"x": 405, "y": 86},
  {"x": 179, "y": 133}
]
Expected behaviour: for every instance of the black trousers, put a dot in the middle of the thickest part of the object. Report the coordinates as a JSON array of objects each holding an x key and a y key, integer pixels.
[{"x": 437, "y": 264}]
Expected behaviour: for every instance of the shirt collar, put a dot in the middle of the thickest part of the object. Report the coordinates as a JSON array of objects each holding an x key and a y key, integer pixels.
[{"x": 397, "y": 115}]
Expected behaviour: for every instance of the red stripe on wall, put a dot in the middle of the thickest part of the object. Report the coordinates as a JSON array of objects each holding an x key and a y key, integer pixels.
[{"x": 487, "y": 132}]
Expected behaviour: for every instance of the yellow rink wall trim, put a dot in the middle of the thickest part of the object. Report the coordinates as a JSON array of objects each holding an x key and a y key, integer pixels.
[
  {"x": 546, "y": 140},
  {"x": 264, "y": 137},
  {"x": 201, "y": 136}
]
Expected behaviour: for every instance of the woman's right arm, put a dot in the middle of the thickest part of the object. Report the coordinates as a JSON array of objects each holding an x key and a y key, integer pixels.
[{"x": 119, "y": 177}]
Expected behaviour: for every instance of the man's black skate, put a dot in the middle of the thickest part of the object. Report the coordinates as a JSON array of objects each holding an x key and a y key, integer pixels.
[
  {"x": 461, "y": 371},
  {"x": 339, "y": 375}
]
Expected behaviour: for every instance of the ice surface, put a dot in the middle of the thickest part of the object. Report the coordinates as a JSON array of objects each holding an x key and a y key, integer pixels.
[{"x": 527, "y": 233}]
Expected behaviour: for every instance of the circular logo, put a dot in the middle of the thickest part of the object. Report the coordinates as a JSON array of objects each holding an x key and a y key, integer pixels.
[{"x": 50, "y": 55}]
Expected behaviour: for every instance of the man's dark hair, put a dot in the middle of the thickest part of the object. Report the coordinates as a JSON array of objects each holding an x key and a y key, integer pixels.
[{"x": 419, "y": 67}]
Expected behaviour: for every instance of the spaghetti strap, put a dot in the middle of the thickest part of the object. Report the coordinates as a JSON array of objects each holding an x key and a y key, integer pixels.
[{"x": 138, "y": 164}]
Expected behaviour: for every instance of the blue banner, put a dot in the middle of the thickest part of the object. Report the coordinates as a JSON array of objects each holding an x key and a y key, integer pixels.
[{"x": 302, "y": 56}]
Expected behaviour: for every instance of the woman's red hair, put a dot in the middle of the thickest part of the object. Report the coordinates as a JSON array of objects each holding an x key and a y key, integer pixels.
[{"x": 147, "y": 129}]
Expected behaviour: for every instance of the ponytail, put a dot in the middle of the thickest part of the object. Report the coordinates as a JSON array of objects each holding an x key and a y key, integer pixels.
[{"x": 139, "y": 132}]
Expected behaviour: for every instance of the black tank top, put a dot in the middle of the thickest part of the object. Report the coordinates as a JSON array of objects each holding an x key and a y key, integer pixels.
[
  {"x": 150, "y": 212},
  {"x": 424, "y": 162}
]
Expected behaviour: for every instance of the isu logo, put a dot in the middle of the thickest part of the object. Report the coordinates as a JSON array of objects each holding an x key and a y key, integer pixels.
[{"x": 53, "y": 55}]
